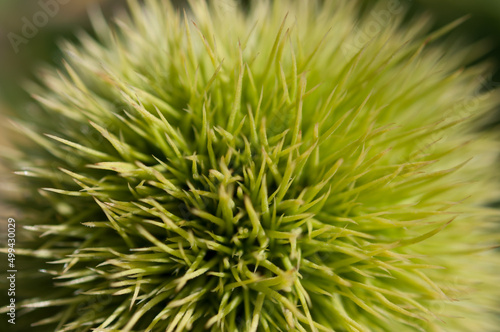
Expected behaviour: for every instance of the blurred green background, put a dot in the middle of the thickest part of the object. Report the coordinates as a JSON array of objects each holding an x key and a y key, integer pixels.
[{"x": 17, "y": 67}]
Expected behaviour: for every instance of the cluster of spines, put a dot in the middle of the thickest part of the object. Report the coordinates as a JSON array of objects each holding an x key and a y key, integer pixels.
[{"x": 224, "y": 193}]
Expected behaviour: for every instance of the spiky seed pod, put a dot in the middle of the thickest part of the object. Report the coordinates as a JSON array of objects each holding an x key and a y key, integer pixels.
[{"x": 290, "y": 167}]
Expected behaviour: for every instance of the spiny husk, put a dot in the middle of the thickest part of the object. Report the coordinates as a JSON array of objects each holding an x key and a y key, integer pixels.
[{"x": 280, "y": 168}]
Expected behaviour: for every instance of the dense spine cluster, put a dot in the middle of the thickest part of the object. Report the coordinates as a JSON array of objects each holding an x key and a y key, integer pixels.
[{"x": 260, "y": 170}]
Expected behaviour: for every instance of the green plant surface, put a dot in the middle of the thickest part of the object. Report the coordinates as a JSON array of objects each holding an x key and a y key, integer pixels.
[{"x": 281, "y": 168}]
